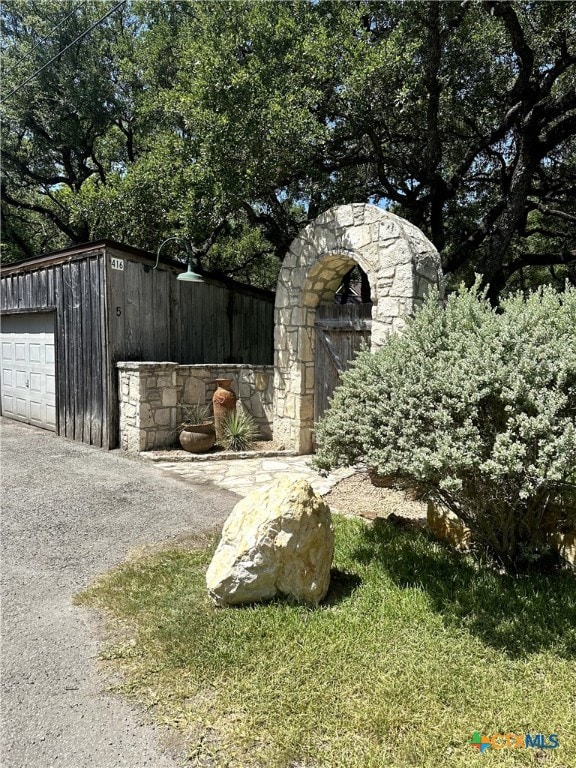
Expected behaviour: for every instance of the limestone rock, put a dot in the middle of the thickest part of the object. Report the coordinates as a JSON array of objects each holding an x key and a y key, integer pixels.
[
  {"x": 445, "y": 526},
  {"x": 566, "y": 545},
  {"x": 276, "y": 541}
]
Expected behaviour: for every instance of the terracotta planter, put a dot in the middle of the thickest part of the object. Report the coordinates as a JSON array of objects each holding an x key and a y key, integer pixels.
[
  {"x": 224, "y": 403},
  {"x": 198, "y": 438}
]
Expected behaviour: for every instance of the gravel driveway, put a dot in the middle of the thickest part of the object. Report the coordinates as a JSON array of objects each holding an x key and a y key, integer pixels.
[{"x": 70, "y": 512}]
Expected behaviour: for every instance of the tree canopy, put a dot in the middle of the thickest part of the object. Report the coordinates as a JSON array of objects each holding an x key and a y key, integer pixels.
[{"x": 233, "y": 124}]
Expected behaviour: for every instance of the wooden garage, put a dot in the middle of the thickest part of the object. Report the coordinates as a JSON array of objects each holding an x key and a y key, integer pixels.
[{"x": 69, "y": 317}]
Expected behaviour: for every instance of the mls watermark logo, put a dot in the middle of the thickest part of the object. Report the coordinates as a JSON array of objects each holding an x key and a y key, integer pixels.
[{"x": 513, "y": 741}]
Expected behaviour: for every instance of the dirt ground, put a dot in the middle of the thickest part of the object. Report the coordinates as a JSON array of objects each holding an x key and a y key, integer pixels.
[{"x": 356, "y": 495}]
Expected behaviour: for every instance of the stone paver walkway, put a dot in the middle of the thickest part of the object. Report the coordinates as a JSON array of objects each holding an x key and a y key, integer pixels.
[{"x": 244, "y": 475}]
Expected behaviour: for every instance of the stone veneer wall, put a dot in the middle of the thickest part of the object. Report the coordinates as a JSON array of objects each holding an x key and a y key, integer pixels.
[
  {"x": 401, "y": 265},
  {"x": 150, "y": 395}
]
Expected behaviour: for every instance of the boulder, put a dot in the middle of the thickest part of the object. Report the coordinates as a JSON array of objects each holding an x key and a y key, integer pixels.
[
  {"x": 275, "y": 541},
  {"x": 447, "y": 527}
]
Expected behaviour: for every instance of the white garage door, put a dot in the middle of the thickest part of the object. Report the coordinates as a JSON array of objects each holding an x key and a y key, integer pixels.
[{"x": 28, "y": 375}]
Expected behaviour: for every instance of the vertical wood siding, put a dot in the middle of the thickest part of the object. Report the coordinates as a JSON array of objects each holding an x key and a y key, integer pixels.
[
  {"x": 75, "y": 290},
  {"x": 153, "y": 316},
  {"x": 105, "y": 315},
  {"x": 216, "y": 324},
  {"x": 340, "y": 331}
]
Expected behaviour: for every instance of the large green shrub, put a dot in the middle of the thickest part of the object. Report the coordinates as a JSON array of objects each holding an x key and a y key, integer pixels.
[{"x": 476, "y": 408}]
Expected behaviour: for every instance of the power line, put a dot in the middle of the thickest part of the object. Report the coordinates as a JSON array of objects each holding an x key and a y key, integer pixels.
[
  {"x": 42, "y": 40},
  {"x": 80, "y": 37}
]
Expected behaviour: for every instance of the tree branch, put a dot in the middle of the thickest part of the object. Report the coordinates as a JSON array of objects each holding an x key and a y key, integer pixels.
[
  {"x": 540, "y": 231},
  {"x": 556, "y": 213},
  {"x": 542, "y": 260},
  {"x": 505, "y": 11},
  {"x": 199, "y": 251},
  {"x": 457, "y": 258},
  {"x": 19, "y": 204},
  {"x": 558, "y": 68},
  {"x": 26, "y": 171},
  {"x": 559, "y": 132}
]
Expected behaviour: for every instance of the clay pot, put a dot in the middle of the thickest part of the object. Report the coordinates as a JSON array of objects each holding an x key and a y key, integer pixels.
[
  {"x": 198, "y": 438},
  {"x": 223, "y": 403}
]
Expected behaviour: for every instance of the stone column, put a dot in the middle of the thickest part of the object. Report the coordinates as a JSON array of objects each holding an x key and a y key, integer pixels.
[{"x": 148, "y": 400}]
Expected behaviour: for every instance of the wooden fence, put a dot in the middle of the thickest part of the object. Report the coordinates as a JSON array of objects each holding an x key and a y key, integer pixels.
[{"x": 111, "y": 306}]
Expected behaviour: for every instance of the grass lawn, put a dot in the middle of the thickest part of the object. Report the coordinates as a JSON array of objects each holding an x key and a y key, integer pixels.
[{"x": 414, "y": 650}]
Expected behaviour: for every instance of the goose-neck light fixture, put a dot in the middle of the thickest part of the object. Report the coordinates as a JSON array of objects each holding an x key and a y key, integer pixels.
[{"x": 189, "y": 276}]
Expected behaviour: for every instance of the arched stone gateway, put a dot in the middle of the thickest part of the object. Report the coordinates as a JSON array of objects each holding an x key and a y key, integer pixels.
[{"x": 401, "y": 265}]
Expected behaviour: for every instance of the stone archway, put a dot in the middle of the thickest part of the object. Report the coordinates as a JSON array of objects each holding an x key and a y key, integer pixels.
[{"x": 401, "y": 265}]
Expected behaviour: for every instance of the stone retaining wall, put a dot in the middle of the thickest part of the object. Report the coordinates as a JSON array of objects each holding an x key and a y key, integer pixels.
[{"x": 150, "y": 395}]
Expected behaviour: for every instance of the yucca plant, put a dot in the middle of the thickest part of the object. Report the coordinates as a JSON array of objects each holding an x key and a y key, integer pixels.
[
  {"x": 194, "y": 413},
  {"x": 239, "y": 431}
]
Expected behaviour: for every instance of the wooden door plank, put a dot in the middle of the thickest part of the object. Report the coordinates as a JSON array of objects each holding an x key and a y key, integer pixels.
[{"x": 340, "y": 332}]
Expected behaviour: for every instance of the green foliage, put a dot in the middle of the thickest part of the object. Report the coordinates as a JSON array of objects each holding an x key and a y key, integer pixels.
[
  {"x": 235, "y": 123},
  {"x": 239, "y": 431},
  {"x": 478, "y": 409},
  {"x": 194, "y": 413},
  {"x": 72, "y": 123}
]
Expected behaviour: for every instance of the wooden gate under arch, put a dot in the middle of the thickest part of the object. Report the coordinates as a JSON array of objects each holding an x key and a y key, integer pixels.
[{"x": 340, "y": 331}]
